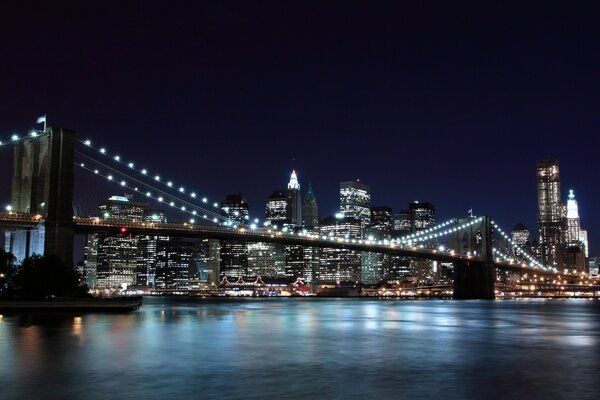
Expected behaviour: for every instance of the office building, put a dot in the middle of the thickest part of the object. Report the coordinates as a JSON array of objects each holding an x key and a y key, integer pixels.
[
  {"x": 276, "y": 209},
  {"x": 339, "y": 265},
  {"x": 550, "y": 212},
  {"x": 234, "y": 253},
  {"x": 422, "y": 215},
  {"x": 355, "y": 201},
  {"x": 310, "y": 209}
]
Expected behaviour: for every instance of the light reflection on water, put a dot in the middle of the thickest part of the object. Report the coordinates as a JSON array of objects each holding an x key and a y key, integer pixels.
[{"x": 294, "y": 348}]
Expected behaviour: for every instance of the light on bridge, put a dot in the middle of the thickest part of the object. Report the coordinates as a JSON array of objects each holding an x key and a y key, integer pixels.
[{"x": 123, "y": 229}]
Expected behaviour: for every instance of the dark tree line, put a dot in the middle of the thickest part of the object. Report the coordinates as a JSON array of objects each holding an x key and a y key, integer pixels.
[{"x": 38, "y": 277}]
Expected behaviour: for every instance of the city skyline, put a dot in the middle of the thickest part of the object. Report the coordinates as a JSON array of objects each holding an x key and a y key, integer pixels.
[{"x": 411, "y": 103}]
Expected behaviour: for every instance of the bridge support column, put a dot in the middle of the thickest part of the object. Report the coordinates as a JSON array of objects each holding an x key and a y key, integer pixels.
[
  {"x": 43, "y": 184},
  {"x": 473, "y": 280}
]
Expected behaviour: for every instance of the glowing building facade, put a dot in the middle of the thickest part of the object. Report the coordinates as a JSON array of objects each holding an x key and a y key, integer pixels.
[
  {"x": 355, "y": 201},
  {"x": 550, "y": 212}
]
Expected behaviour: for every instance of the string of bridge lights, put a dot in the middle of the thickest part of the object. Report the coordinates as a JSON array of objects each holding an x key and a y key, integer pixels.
[
  {"x": 158, "y": 193},
  {"x": 144, "y": 172},
  {"x": 532, "y": 260},
  {"x": 428, "y": 233},
  {"x": 150, "y": 195},
  {"x": 16, "y": 138}
]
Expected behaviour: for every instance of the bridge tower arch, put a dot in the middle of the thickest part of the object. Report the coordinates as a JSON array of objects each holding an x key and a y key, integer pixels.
[
  {"x": 42, "y": 183},
  {"x": 475, "y": 279}
]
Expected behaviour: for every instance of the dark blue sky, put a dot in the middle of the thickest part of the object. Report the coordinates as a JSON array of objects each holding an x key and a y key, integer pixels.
[{"x": 446, "y": 103}]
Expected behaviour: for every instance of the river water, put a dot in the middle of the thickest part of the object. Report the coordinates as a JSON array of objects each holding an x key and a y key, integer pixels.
[{"x": 307, "y": 348}]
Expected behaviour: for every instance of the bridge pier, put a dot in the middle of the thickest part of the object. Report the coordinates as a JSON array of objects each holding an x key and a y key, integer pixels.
[
  {"x": 43, "y": 184},
  {"x": 474, "y": 280}
]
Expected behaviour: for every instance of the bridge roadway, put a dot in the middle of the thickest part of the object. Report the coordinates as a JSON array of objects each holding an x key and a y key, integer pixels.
[{"x": 12, "y": 221}]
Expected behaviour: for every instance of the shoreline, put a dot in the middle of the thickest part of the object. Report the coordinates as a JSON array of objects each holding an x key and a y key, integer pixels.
[{"x": 124, "y": 304}]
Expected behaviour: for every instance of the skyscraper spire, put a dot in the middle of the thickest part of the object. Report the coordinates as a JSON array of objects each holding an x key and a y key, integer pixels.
[
  {"x": 294, "y": 181},
  {"x": 310, "y": 209},
  {"x": 294, "y": 203}
]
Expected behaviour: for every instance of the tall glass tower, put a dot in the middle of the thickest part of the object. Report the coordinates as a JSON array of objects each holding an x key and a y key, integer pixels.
[
  {"x": 550, "y": 215},
  {"x": 310, "y": 209},
  {"x": 355, "y": 201}
]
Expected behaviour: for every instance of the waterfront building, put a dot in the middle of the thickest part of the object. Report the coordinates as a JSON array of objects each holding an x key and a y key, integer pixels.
[
  {"x": 121, "y": 260},
  {"x": 174, "y": 261},
  {"x": 266, "y": 260},
  {"x": 550, "y": 212},
  {"x": 294, "y": 201},
  {"x": 204, "y": 271},
  {"x": 339, "y": 265},
  {"x": 373, "y": 265}
]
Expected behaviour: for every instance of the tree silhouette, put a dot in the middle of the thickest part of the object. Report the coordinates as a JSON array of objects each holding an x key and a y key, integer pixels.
[{"x": 44, "y": 277}]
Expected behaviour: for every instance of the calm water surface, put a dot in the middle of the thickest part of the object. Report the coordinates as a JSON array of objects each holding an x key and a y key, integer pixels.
[{"x": 294, "y": 348}]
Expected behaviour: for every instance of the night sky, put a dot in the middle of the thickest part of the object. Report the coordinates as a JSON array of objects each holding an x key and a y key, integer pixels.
[{"x": 448, "y": 103}]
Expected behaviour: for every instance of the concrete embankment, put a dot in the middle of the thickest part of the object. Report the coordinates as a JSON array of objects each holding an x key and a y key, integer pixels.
[{"x": 68, "y": 305}]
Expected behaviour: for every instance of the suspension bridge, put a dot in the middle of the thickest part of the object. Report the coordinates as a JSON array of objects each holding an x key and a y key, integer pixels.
[{"x": 41, "y": 214}]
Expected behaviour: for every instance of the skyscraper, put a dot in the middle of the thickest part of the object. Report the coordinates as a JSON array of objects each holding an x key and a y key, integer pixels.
[
  {"x": 550, "y": 216},
  {"x": 403, "y": 222},
  {"x": 520, "y": 235},
  {"x": 116, "y": 259},
  {"x": 382, "y": 220},
  {"x": 234, "y": 253},
  {"x": 339, "y": 265},
  {"x": 422, "y": 215},
  {"x": 294, "y": 201},
  {"x": 310, "y": 209},
  {"x": 355, "y": 201},
  {"x": 276, "y": 209},
  {"x": 573, "y": 224}
]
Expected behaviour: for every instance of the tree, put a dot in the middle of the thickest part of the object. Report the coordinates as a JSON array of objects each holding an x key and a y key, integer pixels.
[
  {"x": 43, "y": 277},
  {"x": 7, "y": 270}
]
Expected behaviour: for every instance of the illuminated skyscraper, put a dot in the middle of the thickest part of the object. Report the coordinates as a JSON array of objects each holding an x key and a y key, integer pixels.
[
  {"x": 573, "y": 224},
  {"x": 234, "y": 253},
  {"x": 403, "y": 222},
  {"x": 520, "y": 235},
  {"x": 117, "y": 258},
  {"x": 294, "y": 201},
  {"x": 550, "y": 215},
  {"x": 382, "y": 220},
  {"x": 339, "y": 265},
  {"x": 310, "y": 209},
  {"x": 355, "y": 201},
  {"x": 276, "y": 210},
  {"x": 422, "y": 215}
]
